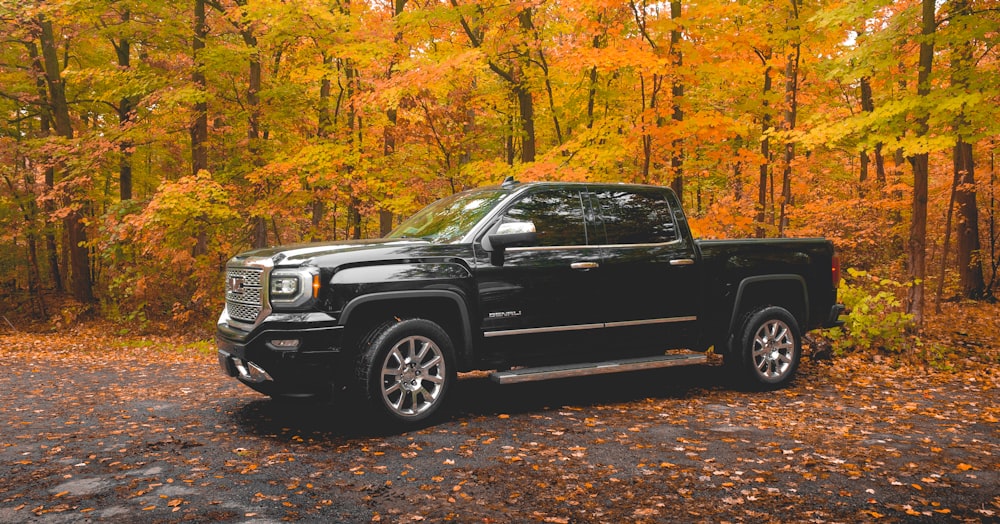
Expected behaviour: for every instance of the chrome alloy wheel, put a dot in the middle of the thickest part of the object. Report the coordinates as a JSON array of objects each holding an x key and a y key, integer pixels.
[
  {"x": 413, "y": 376},
  {"x": 773, "y": 349}
]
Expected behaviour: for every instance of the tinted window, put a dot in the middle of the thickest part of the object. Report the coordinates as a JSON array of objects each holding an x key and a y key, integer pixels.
[
  {"x": 557, "y": 215},
  {"x": 636, "y": 217}
]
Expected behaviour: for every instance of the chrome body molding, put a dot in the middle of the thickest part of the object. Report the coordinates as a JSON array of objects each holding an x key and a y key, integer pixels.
[
  {"x": 628, "y": 323},
  {"x": 581, "y": 327},
  {"x": 593, "y": 246}
]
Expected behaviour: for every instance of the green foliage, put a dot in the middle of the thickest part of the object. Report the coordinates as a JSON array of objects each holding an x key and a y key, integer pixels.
[
  {"x": 165, "y": 260},
  {"x": 875, "y": 318}
]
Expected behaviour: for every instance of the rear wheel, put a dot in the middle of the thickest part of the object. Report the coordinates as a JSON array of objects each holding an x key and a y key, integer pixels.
[
  {"x": 406, "y": 369},
  {"x": 771, "y": 347}
]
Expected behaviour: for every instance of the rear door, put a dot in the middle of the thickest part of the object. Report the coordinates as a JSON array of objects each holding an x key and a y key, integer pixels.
[{"x": 650, "y": 280}]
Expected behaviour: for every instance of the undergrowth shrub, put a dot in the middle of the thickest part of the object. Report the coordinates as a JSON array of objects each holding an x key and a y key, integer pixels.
[{"x": 875, "y": 317}]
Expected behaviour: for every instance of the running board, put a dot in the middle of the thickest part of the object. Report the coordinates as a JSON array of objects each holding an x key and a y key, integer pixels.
[{"x": 595, "y": 368}]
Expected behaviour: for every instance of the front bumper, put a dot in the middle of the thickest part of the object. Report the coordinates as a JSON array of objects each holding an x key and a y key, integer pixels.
[{"x": 266, "y": 359}]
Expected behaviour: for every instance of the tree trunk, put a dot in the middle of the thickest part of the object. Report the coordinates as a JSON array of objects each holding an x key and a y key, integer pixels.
[
  {"x": 79, "y": 257},
  {"x": 867, "y": 105},
  {"x": 125, "y": 114},
  {"x": 45, "y": 127},
  {"x": 384, "y": 222},
  {"x": 253, "y": 133},
  {"x": 647, "y": 138},
  {"x": 947, "y": 245},
  {"x": 765, "y": 146},
  {"x": 970, "y": 268},
  {"x": 677, "y": 90},
  {"x": 592, "y": 93},
  {"x": 791, "y": 112},
  {"x": 737, "y": 169},
  {"x": 253, "y": 124},
  {"x": 528, "y": 25},
  {"x": 325, "y": 125},
  {"x": 389, "y": 134},
  {"x": 354, "y": 219},
  {"x": 994, "y": 261},
  {"x": 526, "y": 108},
  {"x": 199, "y": 128},
  {"x": 917, "y": 255}
]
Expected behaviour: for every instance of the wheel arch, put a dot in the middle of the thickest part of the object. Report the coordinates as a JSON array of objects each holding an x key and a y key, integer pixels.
[
  {"x": 445, "y": 307},
  {"x": 788, "y": 291}
]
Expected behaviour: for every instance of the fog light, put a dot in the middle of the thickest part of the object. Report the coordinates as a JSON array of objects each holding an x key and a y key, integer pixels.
[
  {"x": 290, "y": 343},
  {"x": 257, "y": 373}
]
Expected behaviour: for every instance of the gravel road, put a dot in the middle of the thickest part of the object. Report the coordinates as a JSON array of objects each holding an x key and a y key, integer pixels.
[{"x": 146, "y": 434}]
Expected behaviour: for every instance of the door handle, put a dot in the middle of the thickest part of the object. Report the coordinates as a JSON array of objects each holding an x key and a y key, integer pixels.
[
  {"x": 682, "y": 262},
  {"x": 584, "y": 265}
]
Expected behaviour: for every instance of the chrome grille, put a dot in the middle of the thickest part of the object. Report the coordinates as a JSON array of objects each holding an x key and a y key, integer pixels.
[{"x": 244, "y": 293}]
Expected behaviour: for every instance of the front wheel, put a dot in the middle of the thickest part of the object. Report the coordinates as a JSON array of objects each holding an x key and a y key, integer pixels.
[
  {"x": 771, "y": 347},
  {"x": 406, "y": 368}
]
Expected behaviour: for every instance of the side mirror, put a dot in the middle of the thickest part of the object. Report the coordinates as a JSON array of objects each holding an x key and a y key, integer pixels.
[{"x": 509, "y": 234}]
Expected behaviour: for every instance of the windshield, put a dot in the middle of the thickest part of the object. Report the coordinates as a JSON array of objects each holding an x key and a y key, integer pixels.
[{"x": 449, "y": 219}]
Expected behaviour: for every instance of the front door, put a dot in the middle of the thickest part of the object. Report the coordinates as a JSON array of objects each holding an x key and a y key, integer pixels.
[{"x": 540, "y": 302}]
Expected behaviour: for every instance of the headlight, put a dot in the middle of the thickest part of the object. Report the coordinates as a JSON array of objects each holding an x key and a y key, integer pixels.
[
  {"x": 293, "y": 288},
  {"x": 284, "y": 286}
]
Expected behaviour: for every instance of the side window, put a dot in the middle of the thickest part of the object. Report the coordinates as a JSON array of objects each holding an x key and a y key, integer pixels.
[
  {"x": 557, "y": 215},
  {"x": 637, "y": 217}
]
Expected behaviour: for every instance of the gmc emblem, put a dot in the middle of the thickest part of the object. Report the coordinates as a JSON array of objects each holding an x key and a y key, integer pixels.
[{"x": 234, "y": 285}]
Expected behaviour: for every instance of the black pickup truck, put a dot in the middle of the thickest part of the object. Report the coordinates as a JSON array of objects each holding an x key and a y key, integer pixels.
[{"x": 534, "y": 281}]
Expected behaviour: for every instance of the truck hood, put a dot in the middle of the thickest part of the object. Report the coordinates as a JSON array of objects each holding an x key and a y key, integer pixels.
[{"x": 334, "y": 253}]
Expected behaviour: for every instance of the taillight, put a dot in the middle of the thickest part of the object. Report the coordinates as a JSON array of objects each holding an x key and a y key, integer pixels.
[{"x": 835, "y": 271}]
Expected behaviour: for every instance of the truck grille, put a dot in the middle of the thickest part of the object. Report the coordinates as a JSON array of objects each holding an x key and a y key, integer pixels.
[{"x": 244, "y": 293}]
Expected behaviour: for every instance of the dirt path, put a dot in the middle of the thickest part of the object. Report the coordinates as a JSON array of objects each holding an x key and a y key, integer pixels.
[{"x": 99, "y": 432}]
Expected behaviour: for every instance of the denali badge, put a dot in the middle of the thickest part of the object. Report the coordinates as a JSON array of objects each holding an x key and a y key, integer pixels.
[
  {"x": 505, "y": 314},
  {"x": 234, "y": 285}
]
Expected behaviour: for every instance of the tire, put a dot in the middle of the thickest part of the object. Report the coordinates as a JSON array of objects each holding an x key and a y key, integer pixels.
[
  {"x": 771, "y": 348},
  {"x": 405, "y": 370}
]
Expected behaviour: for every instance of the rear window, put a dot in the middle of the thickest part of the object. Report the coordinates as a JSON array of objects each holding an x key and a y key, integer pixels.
[{"x": 636, "y": 217}]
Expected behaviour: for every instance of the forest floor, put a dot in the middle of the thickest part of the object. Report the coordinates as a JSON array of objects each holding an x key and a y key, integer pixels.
[{"x": 98, "y": 427}]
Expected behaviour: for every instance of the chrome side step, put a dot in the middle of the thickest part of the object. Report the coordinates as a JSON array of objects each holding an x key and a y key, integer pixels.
[{"x": 596, "y": 368}]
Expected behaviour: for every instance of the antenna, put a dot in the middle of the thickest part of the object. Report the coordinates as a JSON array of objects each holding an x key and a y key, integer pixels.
[{"x": 509, "y": 182}]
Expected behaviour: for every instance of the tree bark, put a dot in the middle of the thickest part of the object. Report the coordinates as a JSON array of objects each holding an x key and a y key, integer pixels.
[
  {"x": 389, "y": 133},
  {"x": 526, "y": 108},
  {"x": 945, "y": 251},
  {"x": 677, "y": 90},
  {"x": 917, "y": 253},
  {"x": 123, "y": 50},
  {"x": 253, "y": 121},
  {"x": 868, "y": 106},
  {"x": 199, "y": 128},
  {"x": 765, "y": 145},
  {"x": 45, "y": 127},
  {"x": 791, "y": 112},
  {"x": 970, "y": 268},
  {"x": 76, "y": 234}
]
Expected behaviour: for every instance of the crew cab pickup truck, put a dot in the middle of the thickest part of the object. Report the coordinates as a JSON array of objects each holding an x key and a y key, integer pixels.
[{"x": 531, "y": 281}]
